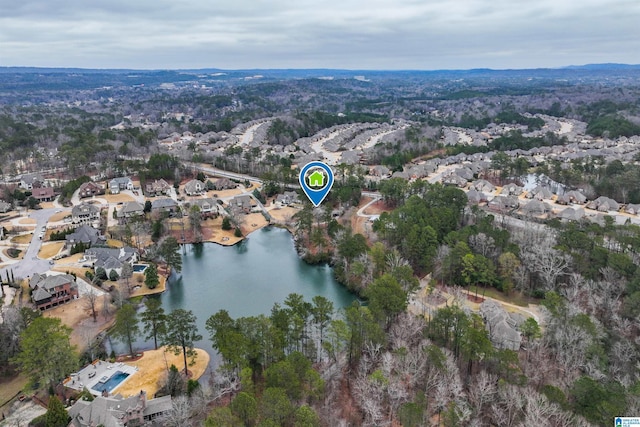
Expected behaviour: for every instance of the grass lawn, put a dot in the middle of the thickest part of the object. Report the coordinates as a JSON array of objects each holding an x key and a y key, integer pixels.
[
  {"x": 49, "y": 250},
  {"x": 79, "y": 271},
  {"x": 113, "y": 243},
  {"x": 143, "y": 290},
  {"x": 152, "y": 367},
  {"x": 9, "y": 387},
  {"x": 23, "y": 239},
  {"x": 117, "y": 198},
  {"x": 59, "y": 216}
]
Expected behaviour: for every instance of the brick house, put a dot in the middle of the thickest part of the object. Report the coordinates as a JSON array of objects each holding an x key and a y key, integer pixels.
[
  {"x": 52, "y": 291},
  {"x": 90, "y": 189},
  {"x": 43, "y": 194}
]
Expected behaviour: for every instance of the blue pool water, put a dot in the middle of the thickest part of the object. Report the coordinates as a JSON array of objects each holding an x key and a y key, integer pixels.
[
  {"x": 112, "y": 382},
  {"x": 139, "y": 268}
]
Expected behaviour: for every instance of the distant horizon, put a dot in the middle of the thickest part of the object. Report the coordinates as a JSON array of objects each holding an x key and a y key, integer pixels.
[{"x": 596, "y": 65}]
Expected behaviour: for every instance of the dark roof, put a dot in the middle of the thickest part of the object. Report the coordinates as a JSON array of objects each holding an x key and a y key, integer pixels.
[
  {"x": 85, "y": 208},
  {"x": 85, "y": 234},
  {"x": 163, "y": 203}
]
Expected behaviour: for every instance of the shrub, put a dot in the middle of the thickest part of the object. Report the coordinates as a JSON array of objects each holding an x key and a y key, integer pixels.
[
  {"x": 113, "y": 275},
  {"x": 226, "y": 223}
]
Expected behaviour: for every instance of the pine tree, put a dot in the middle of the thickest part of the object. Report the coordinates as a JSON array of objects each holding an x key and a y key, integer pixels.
[{"x": 56, "y": 415}]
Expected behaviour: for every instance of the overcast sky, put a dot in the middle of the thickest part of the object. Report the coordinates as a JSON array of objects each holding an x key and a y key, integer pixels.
[{"x": 351, "y": 34}]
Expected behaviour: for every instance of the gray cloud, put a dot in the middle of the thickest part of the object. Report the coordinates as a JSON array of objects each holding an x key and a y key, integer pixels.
[{"x": 381, "y": 34}]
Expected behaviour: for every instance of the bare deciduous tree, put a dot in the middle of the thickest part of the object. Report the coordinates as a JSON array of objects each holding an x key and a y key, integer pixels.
[
  {"x": 90, "y": 302},
  {"x": 549, "y": 263}
]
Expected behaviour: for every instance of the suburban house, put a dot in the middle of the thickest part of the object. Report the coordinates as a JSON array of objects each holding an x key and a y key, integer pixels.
[
  {"x": 632, "y": 209},
  {"x": 85, "y": 213},
  {"x": 539, "y": 193},
  {"x": 455, "y": 179},
  {"x": 110, "y": 259},
  {"x": 43, "y": 194},
  {"x": 5, "y": 207},
  {"x": 157, "y": 187},
  {"x": 501, "y": 325},
  {"x": 242, "y": 203},
  {"x": 90, "y": 189},
  {"x": 208, "y": 207},
  {"x": 287, "y": 198},
  {"x": 52, "y": 291},
  {"x": 164, "y": 205},
  {"x": 380, "y": 171},
  {"x": 31, "y": 181},
  {"x": 130, "y": 210},
  {"x": 536, "y": 207},
  {"x": 503, "y": 203},
  {"x": 118, "y": 411},
  {"x": 195, "y": 187},
  {"x": 224, "y": 184},
  {"x": 603, "y": 204},
  {"x": 571, "y": 214},
  {"x": 118, "y": 184},
  {"x": 86, "y": 235}
]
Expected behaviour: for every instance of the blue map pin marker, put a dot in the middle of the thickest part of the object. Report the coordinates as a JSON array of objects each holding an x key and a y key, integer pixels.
[{"x": 316, "y": 179}]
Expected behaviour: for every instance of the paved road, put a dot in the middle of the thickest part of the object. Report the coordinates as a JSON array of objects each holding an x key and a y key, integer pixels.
[
  {"x": 219, "y": 172},
  {"x": 31, "y": 263}
]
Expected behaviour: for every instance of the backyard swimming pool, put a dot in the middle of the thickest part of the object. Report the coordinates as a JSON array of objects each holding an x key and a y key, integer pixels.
[
  {"x": 110, "y": 383},
  {"x": 139, "y": 268}
]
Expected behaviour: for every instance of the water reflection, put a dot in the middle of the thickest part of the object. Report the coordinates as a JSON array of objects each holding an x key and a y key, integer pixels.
[{"x": 245, "y": 282}]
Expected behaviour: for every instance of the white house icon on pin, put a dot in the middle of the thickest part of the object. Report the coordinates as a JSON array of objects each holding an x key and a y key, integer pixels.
[{"x": 316, "y": 179}]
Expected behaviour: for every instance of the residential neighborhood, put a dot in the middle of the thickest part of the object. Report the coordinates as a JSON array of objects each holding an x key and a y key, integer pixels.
[{"x": 475, "y": 259}]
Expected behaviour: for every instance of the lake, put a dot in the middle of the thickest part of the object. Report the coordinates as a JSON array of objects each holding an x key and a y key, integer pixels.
[{"x": 246, "y": 280}]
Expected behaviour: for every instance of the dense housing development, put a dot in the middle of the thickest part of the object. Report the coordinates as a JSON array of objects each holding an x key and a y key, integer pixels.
[{"x": 489, "y": 221}]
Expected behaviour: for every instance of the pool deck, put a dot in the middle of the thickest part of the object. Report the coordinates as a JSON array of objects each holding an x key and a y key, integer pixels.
[{"x": 93, "y": 373}]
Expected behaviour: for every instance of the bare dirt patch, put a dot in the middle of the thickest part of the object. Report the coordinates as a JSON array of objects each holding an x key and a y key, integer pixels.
[
  {"x": 152, "y": 367},
  {"x": 376, "y": 208},
  {"x": 27, "y": 221}
]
